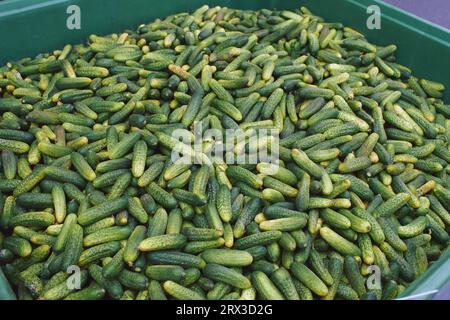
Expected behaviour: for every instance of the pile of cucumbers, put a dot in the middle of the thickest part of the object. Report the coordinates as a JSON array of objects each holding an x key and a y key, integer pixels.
[{"x": 357, "y": 207}]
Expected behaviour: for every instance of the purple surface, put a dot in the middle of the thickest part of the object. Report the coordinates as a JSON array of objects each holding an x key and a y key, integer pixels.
[
  {"x": 436, "y": 11},
  {"x": 443, "y": 294}
]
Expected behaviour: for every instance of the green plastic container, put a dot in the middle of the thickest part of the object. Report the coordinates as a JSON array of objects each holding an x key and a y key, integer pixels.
[{"x": 29, "y": 27}]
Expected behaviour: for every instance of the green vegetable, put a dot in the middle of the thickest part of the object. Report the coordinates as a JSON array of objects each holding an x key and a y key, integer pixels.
[{"x": 89, "y": 177}]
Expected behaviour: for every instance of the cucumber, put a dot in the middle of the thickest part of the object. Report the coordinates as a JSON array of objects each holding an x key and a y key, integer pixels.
[
  {"x": 285, "y": 284},
  {"x": 102, "y": 210},
  {"x": 265, "y": 287},
  {"x": 14, "y": 146},
  {"x": 108, "y": 179},
  {"x": 120, "y": 186},
  {"x": 73, "y": 248},
  {"x": 64, "y": 175},
  {"x": 228, "y": 258},
  {"x": 271, "y": 103},
  {"x": 284, "y": 189},
  {"x": 357, "y": 223},
  {"x": 412, "y": 229},
  {"x": 163, "y": 242},
  {"x": 244, "y": 175},
  {"x": 335, "y": 219},
  {"x": 62, "y": 290},
  {"x": 158, "y": 224},
  {"x": 35, "y": 200},
  {"x": 223, "y": 203},
  {"x": 98, "y": 252},
  {"x": 155, "y": 291},
  {"x": 303, "y": 195},
  {"x": 320, "y": 268},
  {"x": 218, "y": 272},
  {"x": 161, "y": 196},
  {"x": 188, "y": 197},
  {"x": 346, "y": 292},
  {"x": 309, "y": 279},
  {"x": 114, "y": 266},
  {"x": 124, "y": 146},
  {"x": 277, "y": 211},
  {"x": 152, "y": 172},
  {"x": 262, "y": 238},
  {"x": 112, "y": 287},
  {"x": 303, "y": 161},
  {"x": 354, "y": 276},
  {"x": 66, "y": 230},
  {"x": 392, "y": 205},
  {"x": 82, "y": 166},
  {"x": 38, "y": 219},
  {"x": 336, "y": 267},
  {"x": 30, "y": 181},
  {"x": 179, "y": 292},
  {"x": 201, "y": 234},
  {"x": 246, "y": 216},
  {"x": 283, "y": 224},
  {"x": 406, "y": 270},
  {"x": 339, "y": 243},
  {"x": 115, "y": 233},
  {"x": 137, "y": 210},
  {"x": 139, "y": 159},
  {"x": 165, "y": 272},
  {"x": 177, "y": 258},
  {"x": 18, "y": 246},
  {"x": 196, "y": 247},
  {"x": 133, "y": 280}
]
